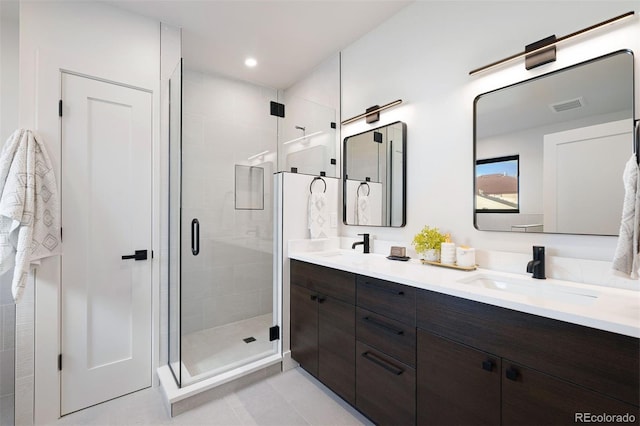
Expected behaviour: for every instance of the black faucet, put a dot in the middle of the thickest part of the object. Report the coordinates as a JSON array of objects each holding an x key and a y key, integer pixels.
[
  {"x": 536, "y": 266},
  {"x": 365, "y": 243}
]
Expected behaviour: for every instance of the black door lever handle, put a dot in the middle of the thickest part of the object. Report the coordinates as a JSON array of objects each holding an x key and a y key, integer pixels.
[{"x": 139, "y": 255}]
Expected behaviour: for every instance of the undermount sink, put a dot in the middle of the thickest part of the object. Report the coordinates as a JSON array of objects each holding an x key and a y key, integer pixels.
[
  {"x": 345, "y": 254},
  {"x": 533, "y": 288}
]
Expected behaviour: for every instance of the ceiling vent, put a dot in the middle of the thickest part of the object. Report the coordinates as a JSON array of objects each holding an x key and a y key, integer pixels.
[{"x": 567, "y": 105}]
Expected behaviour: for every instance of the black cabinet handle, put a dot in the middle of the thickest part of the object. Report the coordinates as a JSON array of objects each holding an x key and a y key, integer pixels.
[
  {"x": 138, "y": 255},
  {"x": 488, "y": 365},
  {"x": 512, "y": 373},
  {"x": 383, "y": 363},
  {"x": 383, "y": 325},
  {"x": 321, "y": 299},
  {"x": 313, "y": 297},
  {"x": 385, "y": 289},
  {"x": 195, "y": 237}
]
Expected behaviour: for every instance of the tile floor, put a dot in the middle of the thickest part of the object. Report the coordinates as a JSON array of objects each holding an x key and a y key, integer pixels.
[
  {"x": 215, "y": 350},
  {"x": 291, "y": 398}
]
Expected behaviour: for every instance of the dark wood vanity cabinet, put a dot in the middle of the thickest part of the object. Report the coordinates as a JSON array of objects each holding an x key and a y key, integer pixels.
[
  {"x": 477, "y": 363},
  {"x": 457, "y": 384},
  {"x": 406, "y": 356},
  {"x": 323, "y": 325},
  {"x": 385, "y": 351}
]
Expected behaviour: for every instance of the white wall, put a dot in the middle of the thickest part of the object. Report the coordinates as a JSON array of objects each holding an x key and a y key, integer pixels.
[
  {"x": 8, "y": 123},
  {"x": 433, "y": 46},
  {"x": 97, "y": 40}
]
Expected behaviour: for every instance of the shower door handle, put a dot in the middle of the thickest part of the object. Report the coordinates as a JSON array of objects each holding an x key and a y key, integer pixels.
[{"x": 195, "y": 237}]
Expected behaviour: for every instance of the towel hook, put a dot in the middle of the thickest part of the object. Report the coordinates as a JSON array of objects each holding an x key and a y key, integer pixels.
[
  {"x": 364, "y": 184},
  {"x": 315, "y": 179}
]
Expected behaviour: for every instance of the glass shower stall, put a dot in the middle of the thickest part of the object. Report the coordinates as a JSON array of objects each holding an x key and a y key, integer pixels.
[{"x": 223, "y": 300}]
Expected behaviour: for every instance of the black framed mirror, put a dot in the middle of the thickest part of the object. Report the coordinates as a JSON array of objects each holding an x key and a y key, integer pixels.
[
  {"x": 571, "y": 131},
  {"x": 374, "y": 177}
]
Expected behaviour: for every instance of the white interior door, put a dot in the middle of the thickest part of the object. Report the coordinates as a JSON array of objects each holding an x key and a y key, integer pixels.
[
  {"x": 581, "y": 196},
  {"x": 106, "y": 214}
]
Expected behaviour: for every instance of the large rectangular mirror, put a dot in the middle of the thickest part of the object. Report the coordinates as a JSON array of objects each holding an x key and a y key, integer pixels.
[
  {"x": 374, "y": 178},
  {"x": 549, "y": 152}
]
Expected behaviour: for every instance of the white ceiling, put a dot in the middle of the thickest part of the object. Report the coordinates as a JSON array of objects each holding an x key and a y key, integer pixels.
[
  {"x": 605, "y": 85},
  {"x": 287, "y": 37}
]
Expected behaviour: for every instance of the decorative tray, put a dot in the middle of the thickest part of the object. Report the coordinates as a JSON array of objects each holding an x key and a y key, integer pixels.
[{"x": 449, "y": 265}]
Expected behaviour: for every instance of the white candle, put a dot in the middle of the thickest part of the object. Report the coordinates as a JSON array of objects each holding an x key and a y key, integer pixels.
[
  {"x": 465, "y": 256},
  {"x": 448, "y": 253}
]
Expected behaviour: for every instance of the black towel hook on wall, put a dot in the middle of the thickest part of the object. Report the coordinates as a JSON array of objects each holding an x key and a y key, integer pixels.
[{"x": 315, "y": 179}]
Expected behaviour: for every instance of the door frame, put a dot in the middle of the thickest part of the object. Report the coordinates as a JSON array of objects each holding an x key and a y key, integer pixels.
[{"x": 46, "y": 325}]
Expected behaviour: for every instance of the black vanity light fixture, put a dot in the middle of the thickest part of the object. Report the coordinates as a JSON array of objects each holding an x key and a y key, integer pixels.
[
  {"x": 372, "y": 114},
  {"x": 544, "y": 51}
]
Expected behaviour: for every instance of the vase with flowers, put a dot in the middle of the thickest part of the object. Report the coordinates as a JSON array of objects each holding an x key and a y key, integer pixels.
[{"x": 427, "y": 243}]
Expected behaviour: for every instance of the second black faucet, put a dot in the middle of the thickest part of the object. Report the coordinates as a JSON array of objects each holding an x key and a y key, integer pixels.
[
  {"x": 364, "y": 243},
  {"x": 536, "y": 266}
]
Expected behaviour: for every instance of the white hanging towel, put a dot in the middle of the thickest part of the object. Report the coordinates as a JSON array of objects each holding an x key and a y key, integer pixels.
[
  {"x": 625, "y": 259},
  {"x": 317, "y": 215},
  {"x": 29, "y": 209},
  {"x": 362, "y": 210}
]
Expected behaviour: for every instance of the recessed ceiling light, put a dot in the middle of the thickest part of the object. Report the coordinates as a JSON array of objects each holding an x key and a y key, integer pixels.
[{"x": 250, "y": 62}]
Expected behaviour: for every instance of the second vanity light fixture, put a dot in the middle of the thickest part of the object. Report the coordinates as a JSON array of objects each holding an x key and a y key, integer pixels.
[
  {"x": 544, "y": 51},
  {"x": 372, "y": 114}
]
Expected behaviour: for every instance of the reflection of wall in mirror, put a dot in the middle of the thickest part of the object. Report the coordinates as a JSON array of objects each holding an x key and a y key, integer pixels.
[
  {"x": 363, "y": 157},
  {"x": 374, "y": 213},
  {"x": 529, "y": 144},
  {"x": 396, "y": 190},
  {"x": 583, "y": 178}
]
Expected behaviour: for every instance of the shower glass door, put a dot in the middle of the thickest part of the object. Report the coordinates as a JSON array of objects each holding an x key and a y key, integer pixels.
[{"x": 228, "y": 302}]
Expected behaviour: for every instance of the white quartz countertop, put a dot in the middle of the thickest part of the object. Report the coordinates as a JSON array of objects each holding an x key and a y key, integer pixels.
[{"x": 609, "y": 309}]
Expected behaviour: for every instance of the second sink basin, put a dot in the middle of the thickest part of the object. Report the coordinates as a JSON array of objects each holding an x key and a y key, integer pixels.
[{"x": 532, "y": 288}]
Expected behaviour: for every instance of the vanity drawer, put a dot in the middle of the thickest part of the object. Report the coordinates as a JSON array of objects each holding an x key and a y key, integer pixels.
[
  {"x": 327, "y": 281},
  {"x": 599, "y": 360},
  {"x": 391, "y": 337},
  {"x": 385, "y": 388},
  {"x": 395, "y": 301}
]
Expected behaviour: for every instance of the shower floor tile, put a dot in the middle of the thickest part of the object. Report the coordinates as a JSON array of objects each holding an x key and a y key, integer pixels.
[{"x": 214, "y": 350}]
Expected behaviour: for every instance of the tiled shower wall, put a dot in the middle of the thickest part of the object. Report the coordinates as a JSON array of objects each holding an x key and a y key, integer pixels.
[{"x": 225, "y": 123}]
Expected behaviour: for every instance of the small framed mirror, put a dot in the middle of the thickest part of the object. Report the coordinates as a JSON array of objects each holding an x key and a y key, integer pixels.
[
  {"x": 549, "y": 152},
  {"x": 374, "y": 178}
]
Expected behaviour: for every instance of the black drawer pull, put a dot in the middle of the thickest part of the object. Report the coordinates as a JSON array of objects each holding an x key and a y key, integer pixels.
[
  {"x": 321, "y": 299},
  {"x": 384, "y": 326},
  {"x": 385, "y": 289},
  {"x": 488, "y": 365},
  {"x": 512, "y": 373},
  {"x": 382, "y": 363},
  {"x": 313, "y": 297}
]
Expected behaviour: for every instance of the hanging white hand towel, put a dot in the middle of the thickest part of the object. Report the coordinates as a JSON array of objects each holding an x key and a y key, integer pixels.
[
  {"x": 29, "y": 209},
  {"x": 362, "y": 210},
  {"x": 317, "y": 215},
  {"x": 625, "y": 259}
]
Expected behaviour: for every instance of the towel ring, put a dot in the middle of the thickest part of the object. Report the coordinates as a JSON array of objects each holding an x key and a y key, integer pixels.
[
  {"x": 361, "y": 185},
  {"x": 315, "y": 179}
]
